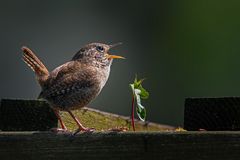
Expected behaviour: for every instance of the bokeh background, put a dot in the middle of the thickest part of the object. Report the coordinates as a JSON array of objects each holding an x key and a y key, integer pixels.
[{"x": 184, "y": 48}]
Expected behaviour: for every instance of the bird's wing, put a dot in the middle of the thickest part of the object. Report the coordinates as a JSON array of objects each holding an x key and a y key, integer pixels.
[
  {"x": 68, "y": 77},
  {"x": 62, "y": 70}
]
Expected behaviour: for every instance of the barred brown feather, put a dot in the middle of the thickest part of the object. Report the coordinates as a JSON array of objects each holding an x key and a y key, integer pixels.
[{"x": 35, "y": 64}]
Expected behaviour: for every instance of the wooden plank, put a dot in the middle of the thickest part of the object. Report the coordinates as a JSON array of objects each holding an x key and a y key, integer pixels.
[
  {"x": 32, "y": 115},
  {"x": 104, "y": 120},
  {"x": 128, "y": 145},
  {"x": 26, "y": 115},
  {"x": 212, "y": 114}
]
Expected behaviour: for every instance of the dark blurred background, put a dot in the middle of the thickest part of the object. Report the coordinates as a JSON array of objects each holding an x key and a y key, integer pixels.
[{"x": 184, "y": 48}]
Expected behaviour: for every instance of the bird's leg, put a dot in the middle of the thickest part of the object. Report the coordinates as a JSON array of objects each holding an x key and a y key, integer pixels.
[
  {"x": 81, "y": 127},
  {"x": 63, "y": 127}
]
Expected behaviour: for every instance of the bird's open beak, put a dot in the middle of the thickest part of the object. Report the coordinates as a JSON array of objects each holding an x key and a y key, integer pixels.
[
  {"x": 114, "y": 45},
  {"x": 114, "y": 56}
]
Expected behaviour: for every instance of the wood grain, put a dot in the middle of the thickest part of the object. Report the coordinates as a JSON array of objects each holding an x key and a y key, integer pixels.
[{"x": 128, "y": 145}]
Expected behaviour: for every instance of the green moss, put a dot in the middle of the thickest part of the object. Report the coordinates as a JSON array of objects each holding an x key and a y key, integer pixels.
[{"x": 103, "y": 121}]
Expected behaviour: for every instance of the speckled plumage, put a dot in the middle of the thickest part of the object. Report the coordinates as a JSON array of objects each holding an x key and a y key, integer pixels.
[
  {"x": 74, "y": 85},
  {"x": 77, "y": 82}
]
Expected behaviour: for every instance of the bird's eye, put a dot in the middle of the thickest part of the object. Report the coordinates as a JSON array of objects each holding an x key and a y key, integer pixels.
[{"x": 100, "y": 48}]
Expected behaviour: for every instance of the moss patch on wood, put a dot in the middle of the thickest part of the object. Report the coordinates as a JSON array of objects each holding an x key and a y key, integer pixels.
[
  {"x": 103, "y": 121},
  {"x": 26, "y": 111}
]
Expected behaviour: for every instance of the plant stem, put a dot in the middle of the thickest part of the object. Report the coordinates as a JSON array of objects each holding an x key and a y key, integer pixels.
[{"x": 133, "y": 125}]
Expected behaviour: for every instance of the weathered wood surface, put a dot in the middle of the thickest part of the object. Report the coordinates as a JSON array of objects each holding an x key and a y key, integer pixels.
[
  {"x": 128, "y": 145},
  {"x": 34, "y": 115},
  {"x": 26, "y": 115},
  {"x": 212, "y": 114}
]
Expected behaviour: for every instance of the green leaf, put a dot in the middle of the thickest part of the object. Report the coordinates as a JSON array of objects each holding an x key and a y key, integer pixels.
[
  {"x": 141, "y": 111},
  {"x": 137, "y": 83},
  {"x": 132, "y": 87},
  {"x": 144, "y": 94},
  {"x": 139, "y": 93}
]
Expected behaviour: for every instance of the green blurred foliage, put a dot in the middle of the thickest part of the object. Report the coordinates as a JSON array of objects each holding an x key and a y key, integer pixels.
[{"x": 197, "y": 55}]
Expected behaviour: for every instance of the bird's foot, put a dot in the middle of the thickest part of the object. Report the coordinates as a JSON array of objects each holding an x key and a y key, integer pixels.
[
  {"x": 59, "y": 130},
  {"x": 84, "y": 130}
]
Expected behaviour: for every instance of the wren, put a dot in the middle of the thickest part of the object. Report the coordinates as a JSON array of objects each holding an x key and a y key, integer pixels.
[{"x": 77, "y": 82}]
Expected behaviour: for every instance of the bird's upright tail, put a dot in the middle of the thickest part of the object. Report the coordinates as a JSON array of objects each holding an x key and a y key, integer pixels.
[{"x": 36, "y": 65}]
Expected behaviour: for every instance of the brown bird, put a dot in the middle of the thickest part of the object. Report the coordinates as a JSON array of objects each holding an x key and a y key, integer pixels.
[{"x": 77, "y": 82}]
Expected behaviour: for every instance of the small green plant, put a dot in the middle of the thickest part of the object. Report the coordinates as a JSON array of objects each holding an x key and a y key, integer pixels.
[{"x": 138, "y": 93}]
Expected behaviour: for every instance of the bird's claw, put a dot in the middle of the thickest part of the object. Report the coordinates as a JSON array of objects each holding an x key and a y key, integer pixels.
[
  {"x": 85, "y": 130},
  {"x": 90, "y": 130}
]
